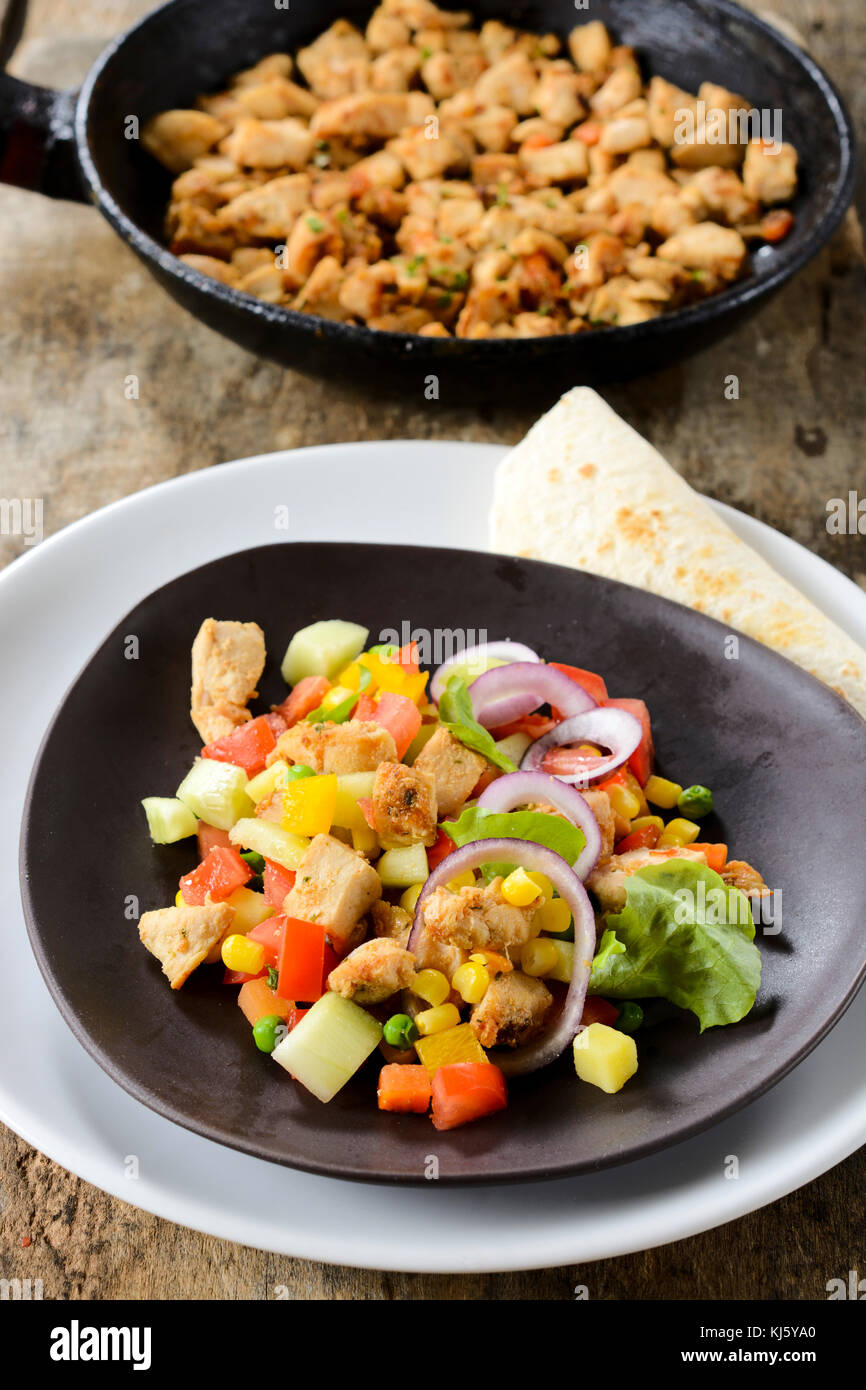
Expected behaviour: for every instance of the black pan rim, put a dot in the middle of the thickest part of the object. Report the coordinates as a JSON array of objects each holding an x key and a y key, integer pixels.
[
  {"x": 740, "y": 296},
  {"x": 341, "y": 1170}
]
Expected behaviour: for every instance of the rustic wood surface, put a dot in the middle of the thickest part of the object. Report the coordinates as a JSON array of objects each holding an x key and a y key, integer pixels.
[{"x": 79, "y": 314}]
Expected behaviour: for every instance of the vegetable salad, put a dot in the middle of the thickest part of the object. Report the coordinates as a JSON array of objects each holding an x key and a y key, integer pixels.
[{"x": 471, "y": 873}]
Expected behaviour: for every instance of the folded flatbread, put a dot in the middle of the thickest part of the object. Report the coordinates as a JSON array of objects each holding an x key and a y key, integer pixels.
[{"x": 585, "y": 489}]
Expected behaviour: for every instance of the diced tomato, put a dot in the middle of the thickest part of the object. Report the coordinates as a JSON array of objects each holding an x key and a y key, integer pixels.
[
  {"x": 465, "y": 1091},
  {"x": 399, "y": 715},
  {"x": 277, "y": 883},
  {"x": 641, "y": 760},
  {"x": 533, "y": 725},
  {"x": 588, "y": 680},
  {"x": 257, "y": 1000},
  {"x": 366, "y": 805},
  {"x": 405, "y": 1089},
  {"x": 276, "y": 723},
  {"x": 294, "y": 1018},
  {"x": 248, "y": 747},
  {"x": 638, "y": 839},
  {"x": 216, "y": 877},
  {"x": 307, "y": 695},
  {"x": 489, "y": 775},
  {"x": 616, "y": 779},
  {"x": 407, "y": 657},
  {"x": 598, "y": 1010},
  {"x": 238, "y": 977},
  {"x": 302, "y": 960},
  {"x": 442, "y": 846},
  {"x": 269, "y": 934},
  {"x": 717, "y": 855},
  {"x": 365, "y": 709},
  {"x": 209, "y": 837}
]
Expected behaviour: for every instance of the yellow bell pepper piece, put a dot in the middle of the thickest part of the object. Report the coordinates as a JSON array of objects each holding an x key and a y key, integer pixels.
[
  {"x": 454, "y": 1045},
  {"x": 309, "y": 804}
]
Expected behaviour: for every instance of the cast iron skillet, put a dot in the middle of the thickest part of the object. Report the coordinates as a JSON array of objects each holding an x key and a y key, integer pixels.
[
  {"x": 783, "y": 754},
  {"x": 70, "y": 146}
]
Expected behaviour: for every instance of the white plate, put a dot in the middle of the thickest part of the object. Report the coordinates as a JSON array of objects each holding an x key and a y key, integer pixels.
[{"x": 56, "y": 604}]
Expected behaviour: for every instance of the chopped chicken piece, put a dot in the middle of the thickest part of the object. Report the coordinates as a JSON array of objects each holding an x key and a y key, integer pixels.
[
  {"x": 477, "y": 919},
  {"x": 356, "y": 746},
  {"x": 269, "y": 144},
  {"x": 607, "y": 881},
  {"x": 269, "y": 211},
  {"x": 590, "y": 46},
  {"x": 509, "y": 82},
  {"x": 558, "y": 96},
  {"x": 371, "y": 115},
  {"x": 706, "y": 246},
  {"x": 769, "y": 175},
  {"x": 599, "y": 804},
  {"x": 373, "y": 972},
  {"x": 454, "y": 767},
  {"x": 738, "y": 874},
  {"x": 178, "y": 138},
  {"x": 182, "y": 938},
  {"x": 334, "y": 886},
  {"x": 623, "y": 86},
  {"x": 566, "y": 162},
  {"x": 404, "y": 805},
  {"x": 512, "y": 1011},
  {"x": 275, "y": 99},
  {"x": 227, "y": 660},
  {"x": 391, "y": 921}
]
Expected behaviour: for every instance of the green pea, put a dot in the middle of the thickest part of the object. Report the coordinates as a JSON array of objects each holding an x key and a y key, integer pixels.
[
  {"x": 267, "y": 1031},
  {"x": 255, "y": 861},
  {"x": 400, "y": 1031},
  {"x": 299, "y": 770},
  {"x": 695, "y": 802},
  {"x": 630, "y": 1017}
]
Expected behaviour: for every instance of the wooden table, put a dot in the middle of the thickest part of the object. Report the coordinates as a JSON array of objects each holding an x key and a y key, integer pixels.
[{"x": 79, "y": 314}]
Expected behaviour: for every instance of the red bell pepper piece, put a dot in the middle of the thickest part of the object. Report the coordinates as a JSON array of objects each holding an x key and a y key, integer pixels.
[
  {"x": 216, "y": 877},
  {"x": 247, "y": 747},
  {"x": 277, "y": 883},
  {"x": 302, "y": 961},
  {"x": 465, "y": 1091},
  {"x": 641, "y": 760},
  {"x": 269, "y": 934}
]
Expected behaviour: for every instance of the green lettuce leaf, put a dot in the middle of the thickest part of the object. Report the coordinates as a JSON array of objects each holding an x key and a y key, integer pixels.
[
  {"x": 477, "y": 823},
  {"x": 455, "y": 712},
  {"x": 688, "y": 938}
]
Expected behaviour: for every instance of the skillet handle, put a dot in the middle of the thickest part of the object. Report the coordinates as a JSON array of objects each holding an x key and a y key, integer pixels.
[{"x": 37, "y": 142}]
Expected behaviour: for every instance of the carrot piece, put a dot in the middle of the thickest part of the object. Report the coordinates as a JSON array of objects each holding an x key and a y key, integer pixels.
[
  {"x": 717, "y": 855},
  {"x": 404, "y": 1088},
  {"x": 464, "y": 1091},
  {"x": 257, "y": 1000},
  {"x": 589, "y": 132}
]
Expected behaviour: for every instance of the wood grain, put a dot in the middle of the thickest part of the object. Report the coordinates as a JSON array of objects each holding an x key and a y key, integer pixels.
[{"x": 79, "y": 315}]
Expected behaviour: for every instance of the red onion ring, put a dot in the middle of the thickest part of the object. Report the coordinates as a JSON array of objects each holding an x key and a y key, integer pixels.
[
  {"x": 555, "y": 1039},
  {"x": 612, "y": 728},
  {"x": 502, "y": 651},
  {"x": 539, "y": 789},
  {"x": 507, "y": 692}
]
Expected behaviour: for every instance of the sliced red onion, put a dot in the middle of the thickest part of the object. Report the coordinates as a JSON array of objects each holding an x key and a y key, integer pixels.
[
  {"x": 555, "y": 1039},
  {"x": 613, "y": 729},
  {"x": 540, "y": 789},
  {"x": 499, "y": 651},
  {"x": 507, "y": 692}
]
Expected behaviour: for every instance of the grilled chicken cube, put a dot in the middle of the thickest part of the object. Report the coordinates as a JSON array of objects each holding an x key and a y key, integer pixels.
[
  {"x": 769, "y": 174},
  {"x": 404, "y": 805},
  {"x": 477, "y": 919},
  {"x": 356, "y": 746},
  {"x": 334, "y": 886},
  {"x": 391, "y": 921},
  {"x": 227, "y": 660},
  {"x": 371, "y": 115},
  {"x": 512, "y": 1011},
  {"x": 373, "y": 972},
  {"x": 599, "y": 804},
  {"x": 706, "y": 246},
  {"x": 608, "y": 880},
  {"x": 183, "y": 938},
  {"x": 178, "y": 138},
  {"x": 738, "y": 874},
  {"x": 454, "y": 767},
  {"x": 270, "y": 144},
  {"x": 590, "y": 46}
]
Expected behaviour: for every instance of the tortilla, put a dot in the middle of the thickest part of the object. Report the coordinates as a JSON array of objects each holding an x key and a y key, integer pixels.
[{"x": 584, "y": 489}]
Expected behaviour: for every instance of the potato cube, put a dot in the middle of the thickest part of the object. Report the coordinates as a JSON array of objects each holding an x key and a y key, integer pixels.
[{"x": 604, "y": 1057}]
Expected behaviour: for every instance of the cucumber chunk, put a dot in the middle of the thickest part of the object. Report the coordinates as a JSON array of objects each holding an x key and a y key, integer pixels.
[
  {"x": 216, "y": 793},
  {"x": 329, "y": 1044},
  {"x": 323, "y": 649},
  {"x": 168, "y": 819},
  {"x": 400, "y": 868}
]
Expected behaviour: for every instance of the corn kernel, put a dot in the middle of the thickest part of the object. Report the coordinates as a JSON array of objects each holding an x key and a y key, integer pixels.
[
  {"x": 543, "y": 882},
  {"x": 437, "y": 1020},
  {"x": 539, "y": 957},
  {"x": 623, "y": 801},
  {"x": 637, "y": 790},
  {"x": 239, "y": 953},
  {"x": 409, "y": 899},
  {"x": 466, "y": 880},
  {"x": 519, "y": 889},
  {"x": 432, "y": 986},
  {"x": 471, "y": 981},
  {"x": 678, "y": 832},
  {"x": 589, "y": 749},
  {"x": 644, "y": 823},
  {"x": 663, "y": 793},
  {"x": 553, "y": 916},
  {"x": 454, "y": 1045},
  {"x": 179, "y": 899}
]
